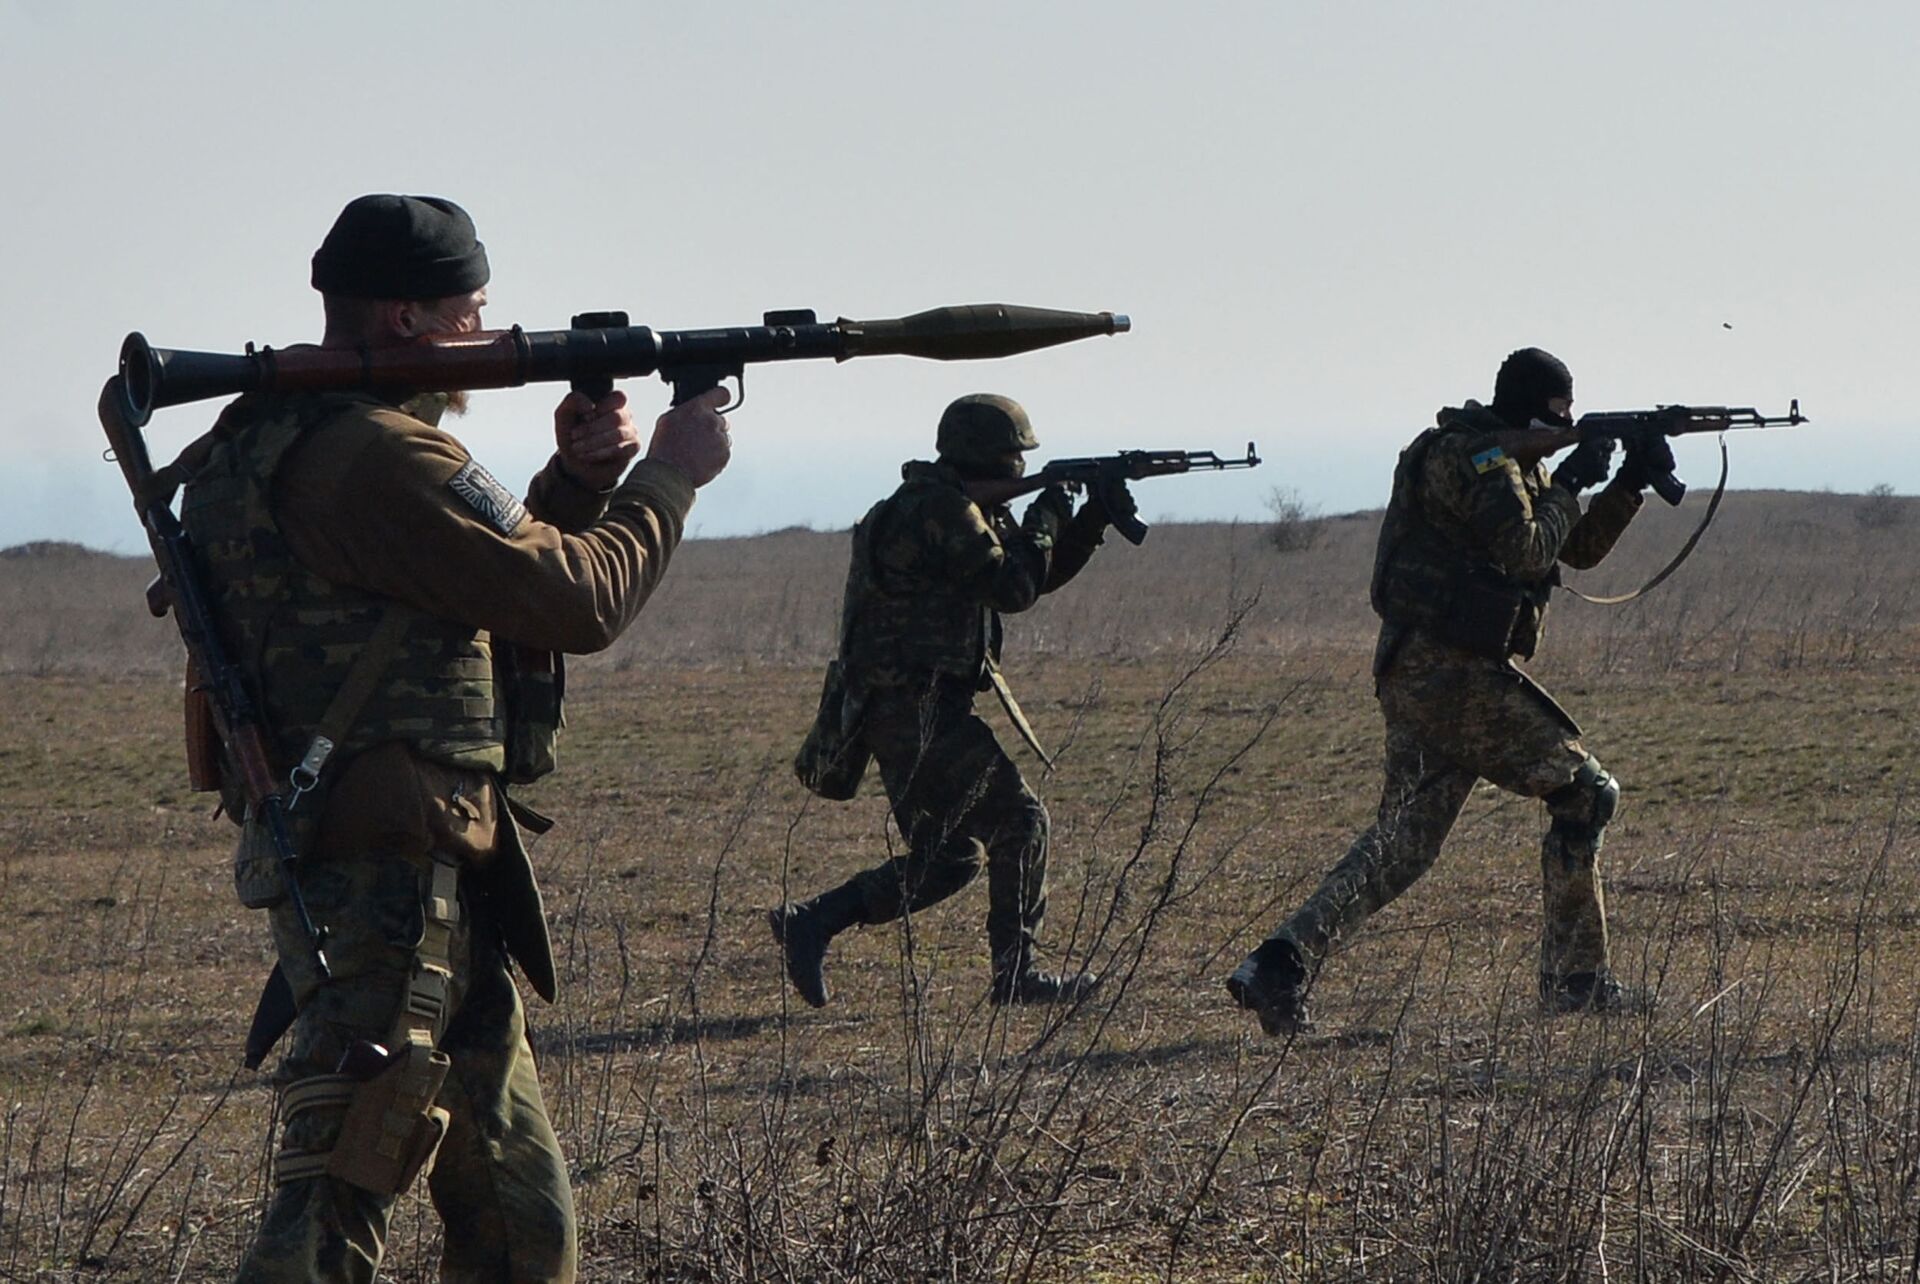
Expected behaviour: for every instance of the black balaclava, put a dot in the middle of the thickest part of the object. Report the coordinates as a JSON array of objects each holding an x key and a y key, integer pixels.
[{"x": 1528, "y": 379}]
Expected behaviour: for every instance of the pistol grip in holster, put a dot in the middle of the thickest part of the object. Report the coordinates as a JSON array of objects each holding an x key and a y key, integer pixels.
[{"x": 392, "y": 1127}]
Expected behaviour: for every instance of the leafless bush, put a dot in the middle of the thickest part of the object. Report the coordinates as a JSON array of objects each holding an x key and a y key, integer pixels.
[
  {"x": 1293, "y": 525},
  {"x": 1880, "y": 509}
]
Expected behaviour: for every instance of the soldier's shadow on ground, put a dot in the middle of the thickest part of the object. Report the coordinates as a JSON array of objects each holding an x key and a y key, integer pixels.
[
  {"x": 1158, "y": 1055},
  {"x": 561, "y": 1043}
]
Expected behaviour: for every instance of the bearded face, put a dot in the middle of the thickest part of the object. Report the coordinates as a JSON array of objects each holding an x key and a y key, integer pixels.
[{"x": 459, "y": 314}]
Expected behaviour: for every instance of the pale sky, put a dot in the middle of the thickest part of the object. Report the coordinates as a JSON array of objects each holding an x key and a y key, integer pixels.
[{"x": 1326, "y": 220}]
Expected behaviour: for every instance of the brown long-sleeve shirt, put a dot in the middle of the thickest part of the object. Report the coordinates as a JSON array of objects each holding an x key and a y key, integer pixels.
[{"x": 371, "y": 502}]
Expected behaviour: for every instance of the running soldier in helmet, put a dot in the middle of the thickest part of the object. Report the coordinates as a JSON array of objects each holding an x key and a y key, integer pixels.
[
  {"x": 934, "y": 567},
  {"x": 1469, "y": 552}
]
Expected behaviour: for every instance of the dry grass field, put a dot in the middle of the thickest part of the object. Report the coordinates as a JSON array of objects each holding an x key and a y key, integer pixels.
[{"x": 1217, "y": 746}]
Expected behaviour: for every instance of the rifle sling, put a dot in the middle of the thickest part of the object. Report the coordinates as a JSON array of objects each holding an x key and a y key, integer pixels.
[
  {"x": 369, "y": 667},
  {"x": 168, "y": 478},
  {"x": 1686, "y": 549}
]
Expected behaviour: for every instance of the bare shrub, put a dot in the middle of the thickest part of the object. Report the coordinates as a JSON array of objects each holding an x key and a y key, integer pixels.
[
  {"x": 1293, "y": 525},
  {"x": 1880, "y": 509}
]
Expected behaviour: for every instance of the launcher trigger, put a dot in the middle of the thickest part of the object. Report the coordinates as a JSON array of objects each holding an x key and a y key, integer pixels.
[{"x": 693, "y": 381}]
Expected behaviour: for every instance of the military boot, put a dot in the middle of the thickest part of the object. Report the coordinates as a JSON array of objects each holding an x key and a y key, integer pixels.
[
  {"x": 1017, "y": 981},
  {"x": 1271, "y": 983},
  {"x": 1034, "y": 986},
  {"x": 804, "y": 931},
  {"x": 1587, "y": 992}
]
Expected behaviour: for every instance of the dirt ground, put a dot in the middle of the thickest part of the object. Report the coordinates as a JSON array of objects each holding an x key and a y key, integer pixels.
[{"x": 1760, "y": 1119}]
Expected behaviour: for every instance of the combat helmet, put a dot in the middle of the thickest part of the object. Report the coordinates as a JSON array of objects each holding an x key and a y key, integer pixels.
[{"x": 982, "y": 431}]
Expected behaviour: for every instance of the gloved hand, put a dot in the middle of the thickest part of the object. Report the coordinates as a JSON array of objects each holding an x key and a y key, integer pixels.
[
  {"x": 1586, "y": 466},
  {"x": 1648, "y": 456},
  {"x": 1048, "y": 511}
]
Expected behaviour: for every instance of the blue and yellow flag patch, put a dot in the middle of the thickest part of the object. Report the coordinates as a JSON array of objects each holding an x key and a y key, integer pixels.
[{"x": 1489, "y": 459}]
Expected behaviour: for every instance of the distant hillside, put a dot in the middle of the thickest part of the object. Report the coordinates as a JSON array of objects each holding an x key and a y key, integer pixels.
[{"x": 1784, "y": 578}]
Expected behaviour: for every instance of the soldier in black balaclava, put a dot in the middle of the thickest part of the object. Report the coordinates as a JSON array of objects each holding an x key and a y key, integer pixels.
[{"x": 1470, "y": 549}]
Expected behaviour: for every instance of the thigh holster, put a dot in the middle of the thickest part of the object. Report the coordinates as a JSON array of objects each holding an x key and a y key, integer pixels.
[{"x": 390, "y": 1126}]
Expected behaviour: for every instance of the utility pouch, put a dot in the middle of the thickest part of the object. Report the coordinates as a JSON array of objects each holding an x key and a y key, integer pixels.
[
  {"x": 259, "y": 879},
  {"x": 531, "y": 687},
  {"x": 392, "y": 1128},
  {"x": 833, "y": 758},
  {"x": 1481, "y": 615}
]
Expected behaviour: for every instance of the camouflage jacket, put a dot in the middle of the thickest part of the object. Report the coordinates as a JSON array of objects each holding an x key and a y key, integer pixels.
[
  {"x": 1472, "y": 542},
  {"x": 930, "y": 575}
]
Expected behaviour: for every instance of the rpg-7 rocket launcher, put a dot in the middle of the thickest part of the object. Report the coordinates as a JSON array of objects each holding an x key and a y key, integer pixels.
[{"x": 599, "y": 348}]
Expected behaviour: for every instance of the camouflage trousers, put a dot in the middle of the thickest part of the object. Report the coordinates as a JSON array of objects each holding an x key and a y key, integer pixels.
[
  {"x": 1452, "y": 720},
  {"x": 499, "y": 1182},
  {"x": 959, "y": 802}
]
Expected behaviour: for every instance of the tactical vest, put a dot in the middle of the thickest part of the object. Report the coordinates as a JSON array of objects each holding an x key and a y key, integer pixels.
[
  {"x": 1425, "y": 578},
  {"x": 897, "y": 630},
  {"x": 295, "y": 634}
]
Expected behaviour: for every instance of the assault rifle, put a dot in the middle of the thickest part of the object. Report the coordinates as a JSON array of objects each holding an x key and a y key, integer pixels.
[
  {"x": 599, "y": 348},
  {"x": 1530, "y": 445},
  {"x": 1665, "y": 421},
  {"x": 211, "y": 670},
  {"x": 1102, "y": 475}
]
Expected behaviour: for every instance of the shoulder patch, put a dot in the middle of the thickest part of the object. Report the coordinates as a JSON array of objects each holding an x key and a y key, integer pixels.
[
  {"x": 478, "y": 489},
  {"x": 1489, "y": 459}
]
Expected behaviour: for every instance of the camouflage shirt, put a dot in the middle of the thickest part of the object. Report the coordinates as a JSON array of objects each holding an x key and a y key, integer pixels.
[
  {"x": 932, "y": 572},
  {"x": 1469, "y": 527}
]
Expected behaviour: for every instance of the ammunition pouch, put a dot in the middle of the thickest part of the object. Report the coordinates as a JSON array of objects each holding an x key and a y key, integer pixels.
[
  {"x": 1470, "y": 606},
  {"x": 259, "y": 877},
  {"x": 531, "y": 689},
  {"x": 833, "y": 758},
  {"x": 1483, "y": 614}
]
